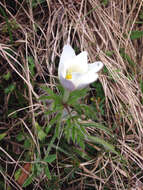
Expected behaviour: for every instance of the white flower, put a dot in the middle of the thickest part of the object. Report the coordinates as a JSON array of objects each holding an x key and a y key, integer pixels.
[{"x": 74, "y": 71}]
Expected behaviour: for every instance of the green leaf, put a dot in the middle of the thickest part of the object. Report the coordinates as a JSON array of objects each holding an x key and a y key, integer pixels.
[
  {"x": 105, "y": 2},
  {"x": 82, "y": 153},
  {"x": 50, "y": 158},
  {"x": 109, "y": 53},
  {"x": 49, "y": 91},
  {"x": 28, "y": 181},
  {"x": 17, "y": 174},
  {"x": 61, "y": 88},
  {"x": 2, "y": 136},
  {"x": 126, "y": 57},
  {"x": 38, "y": 168},
  {"x": 44, "y": 97},
  {"x": 82, "y": 129},
  {"x": 77, "y": 94},
  {"x": 20, "y": 137},
  {"x": 80, "y": 142},
  {"x": 9, "y": 89},
  {"x": 141, "y": 85},
  {"x": 8, "y": 25},
  {"x": 56, "y": 118},
  {"x": 141, "y": 15},
  {"x": 47, "y": 172},
  {"x": 73, "y": 134},
  {"x": 136, "y": 35},
  {"x": 35, "y": 3},
  {"x": 27, "y": 143},
  {"x": 41, "y": 134},
  {"x": 67, "y": 130},
  {"x": 51, "y": 143},
  {"x": 7, "y": 76},
  {"x": 98, "y": 126},
  {"x": 51, "y": 95},
  {"x": 105, "y": 144},
  {"x": 31, "y": 65},
  {"x": 61, "y": 150},
  {"x": 99, "y": 90}
]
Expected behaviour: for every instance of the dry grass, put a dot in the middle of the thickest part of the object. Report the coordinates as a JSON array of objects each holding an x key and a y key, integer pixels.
[{"x": 40, "y": 32}]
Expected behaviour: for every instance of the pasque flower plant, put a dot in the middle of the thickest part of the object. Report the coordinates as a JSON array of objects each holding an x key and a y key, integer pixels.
[{"x": 74, "y": 71}]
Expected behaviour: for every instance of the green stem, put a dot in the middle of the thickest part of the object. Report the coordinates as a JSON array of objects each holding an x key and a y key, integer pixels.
[{"x": 66, "y": 96}]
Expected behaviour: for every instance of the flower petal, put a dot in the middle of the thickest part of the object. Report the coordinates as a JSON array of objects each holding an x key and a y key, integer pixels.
[
  {"x": 96, "y": 66},
  {"x": 82, "y": 80},
  {"x": 67, "y": 54},
  {"x": 68, "y": 84},
  {"x": 79, "y": 63}
]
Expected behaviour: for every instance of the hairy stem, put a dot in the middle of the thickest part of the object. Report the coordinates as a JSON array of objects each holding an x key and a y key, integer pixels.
[{"x": 66, "y": 96}]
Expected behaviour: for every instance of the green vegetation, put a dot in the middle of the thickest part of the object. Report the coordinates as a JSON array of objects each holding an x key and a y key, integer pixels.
[{"x": 94, "y": 139}]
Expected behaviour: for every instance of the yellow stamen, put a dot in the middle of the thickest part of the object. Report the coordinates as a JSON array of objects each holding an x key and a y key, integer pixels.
[{"x": 69, "y": 75}]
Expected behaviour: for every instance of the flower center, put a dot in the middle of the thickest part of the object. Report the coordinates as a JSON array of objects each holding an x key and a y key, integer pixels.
[
  {"x": 74, "y": 69},
  {"x": 69, "y": 74}
]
